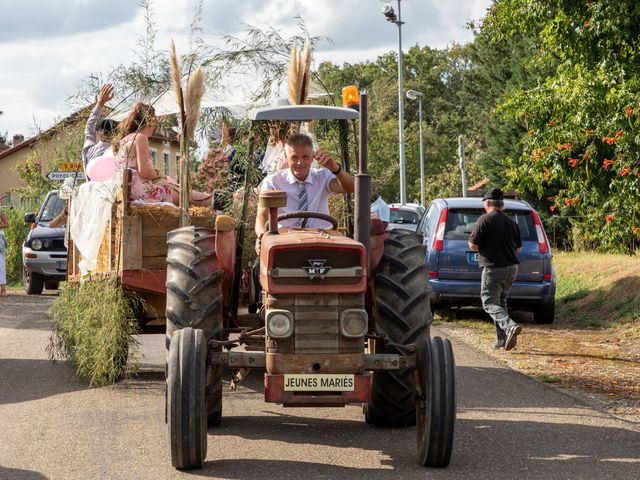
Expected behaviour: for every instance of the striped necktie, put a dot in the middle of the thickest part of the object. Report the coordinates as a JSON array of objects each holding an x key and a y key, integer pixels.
[{"x": 302, "y": 201}]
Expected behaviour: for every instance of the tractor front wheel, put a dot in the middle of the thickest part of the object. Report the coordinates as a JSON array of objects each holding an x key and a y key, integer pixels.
[
  {"x": 186, "y": 407},
  {"x": 435, "y": 402}
]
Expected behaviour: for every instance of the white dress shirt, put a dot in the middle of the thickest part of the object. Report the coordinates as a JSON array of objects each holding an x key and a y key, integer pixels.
[{"x": 318, "y": 192}]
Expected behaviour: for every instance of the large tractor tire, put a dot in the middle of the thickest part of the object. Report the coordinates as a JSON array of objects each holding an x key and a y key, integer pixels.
[
  {"x": 194, "y": 298},
  {"x": 403, "y": 315},
  {"x": 186, "y": 409},
  {"x": 435, "y": 402}
]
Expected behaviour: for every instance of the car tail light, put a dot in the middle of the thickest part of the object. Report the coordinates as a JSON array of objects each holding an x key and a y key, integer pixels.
[
  {"x": 547, "y": 277},
  {"x": 438, "y": 242},
  {"x": 542, "y": 239},
  {"x": 433, "y": 274}
]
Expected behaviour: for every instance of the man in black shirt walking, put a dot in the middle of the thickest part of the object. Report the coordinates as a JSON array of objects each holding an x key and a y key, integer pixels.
[{"x": 496, "y": 238}]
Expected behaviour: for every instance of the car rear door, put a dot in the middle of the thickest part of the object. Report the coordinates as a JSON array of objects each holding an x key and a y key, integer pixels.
[
  {"x": 531, "y": 268},
  {"x": 457, "y": 261}
]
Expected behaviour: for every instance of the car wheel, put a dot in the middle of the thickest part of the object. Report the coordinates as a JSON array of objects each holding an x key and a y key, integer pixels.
[
  {"x": 544, "y": 315},
  {"x": 33, "y": 282}
]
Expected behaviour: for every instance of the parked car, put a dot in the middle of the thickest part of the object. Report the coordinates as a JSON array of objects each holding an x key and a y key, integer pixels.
[
  {"x": 405, "y": 216},
  {"x": 44, "y": 254},
  {"x": 454, "y": 274}
]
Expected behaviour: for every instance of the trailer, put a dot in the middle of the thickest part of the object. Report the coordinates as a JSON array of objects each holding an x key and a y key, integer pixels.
[{"x": 134, "y": 249}]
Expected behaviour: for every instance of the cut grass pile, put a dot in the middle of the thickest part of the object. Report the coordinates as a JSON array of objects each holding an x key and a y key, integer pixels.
[{"x": 94, "y": 328}]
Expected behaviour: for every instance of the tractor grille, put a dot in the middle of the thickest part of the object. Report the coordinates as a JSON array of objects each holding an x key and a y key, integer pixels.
[
  {"x": 294, "y": 262},
  {"x": 317, "y": 323}
]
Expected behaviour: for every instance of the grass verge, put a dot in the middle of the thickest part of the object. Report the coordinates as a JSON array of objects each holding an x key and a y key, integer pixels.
[
  {"x": 94, "y": 328},
  {"x": 593, "y": 345}
]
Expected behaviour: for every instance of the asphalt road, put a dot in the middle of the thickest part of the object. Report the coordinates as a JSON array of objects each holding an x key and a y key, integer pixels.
[{"x": 509, "y": 426}]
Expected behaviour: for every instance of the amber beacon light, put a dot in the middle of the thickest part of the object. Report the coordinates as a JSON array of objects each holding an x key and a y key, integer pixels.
[{"x": 350, "y": 97}]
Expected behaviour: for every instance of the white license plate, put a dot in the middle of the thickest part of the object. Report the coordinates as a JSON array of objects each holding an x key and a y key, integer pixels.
[
  {"x": 61, "y": 265},
  {"x": 323, "y": 382}
]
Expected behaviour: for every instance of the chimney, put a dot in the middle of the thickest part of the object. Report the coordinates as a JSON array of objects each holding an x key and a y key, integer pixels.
[{"x": 18, "y": 138}]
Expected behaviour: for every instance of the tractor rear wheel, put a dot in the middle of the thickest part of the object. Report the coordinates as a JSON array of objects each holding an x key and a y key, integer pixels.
[
  {"x": 194, "y": 299},
  {"x": 186, "y": 409},
  {"x": 402, "y": 314},
  {"x": 435, "y": 402}
]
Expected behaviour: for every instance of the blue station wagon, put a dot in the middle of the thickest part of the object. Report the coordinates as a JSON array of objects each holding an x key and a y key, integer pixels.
[{"x": 454, "y": 274}]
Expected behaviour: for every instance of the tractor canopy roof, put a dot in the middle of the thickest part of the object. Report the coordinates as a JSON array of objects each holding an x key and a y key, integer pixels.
[{"x": 293, "y": 113}]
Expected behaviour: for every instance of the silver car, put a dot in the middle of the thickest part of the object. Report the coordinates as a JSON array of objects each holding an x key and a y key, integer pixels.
[
  {"x": 44, "y": 254},
  {"x": 405, "y": 216}
]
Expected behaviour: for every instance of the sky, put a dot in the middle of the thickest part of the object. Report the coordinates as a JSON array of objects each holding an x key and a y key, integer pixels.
[{"x": 48, "y": 46}]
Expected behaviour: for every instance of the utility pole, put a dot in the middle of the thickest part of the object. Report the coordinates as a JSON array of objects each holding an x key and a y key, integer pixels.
[
  {"x": 390, "y": 15},
  {"x": 415, "y": 95},
  {"x": 462, "y": 169}
]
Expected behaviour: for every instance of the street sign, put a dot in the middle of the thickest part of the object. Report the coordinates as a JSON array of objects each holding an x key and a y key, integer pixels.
[
  {"x": 70, "y": 166},
  {"x": 60, "y": 176}
]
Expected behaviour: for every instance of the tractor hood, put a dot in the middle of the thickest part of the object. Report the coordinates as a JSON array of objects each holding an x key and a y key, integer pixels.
[{"x": 312, "y": 261}]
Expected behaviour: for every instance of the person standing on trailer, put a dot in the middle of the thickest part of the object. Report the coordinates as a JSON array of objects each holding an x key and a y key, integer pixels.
[{"x": 93, "y": 148}]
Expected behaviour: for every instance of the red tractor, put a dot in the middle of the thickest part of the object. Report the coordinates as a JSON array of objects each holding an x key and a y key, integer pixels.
[{"x": 346, "y": 320}]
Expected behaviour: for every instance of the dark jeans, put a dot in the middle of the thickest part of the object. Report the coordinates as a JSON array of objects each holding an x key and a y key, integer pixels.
[{"x": 495, "y": 286}]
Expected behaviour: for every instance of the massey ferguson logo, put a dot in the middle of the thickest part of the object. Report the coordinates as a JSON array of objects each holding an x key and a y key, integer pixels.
[{"x": 317, "y": 269}]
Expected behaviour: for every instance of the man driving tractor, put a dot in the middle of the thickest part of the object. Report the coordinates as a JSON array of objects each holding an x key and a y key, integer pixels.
[{"x": 307, "y": 189}]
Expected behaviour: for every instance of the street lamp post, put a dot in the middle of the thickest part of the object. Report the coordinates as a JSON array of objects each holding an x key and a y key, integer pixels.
[
  {"x": 415, "y": 95},
  {"x": 391, "y": 16}
]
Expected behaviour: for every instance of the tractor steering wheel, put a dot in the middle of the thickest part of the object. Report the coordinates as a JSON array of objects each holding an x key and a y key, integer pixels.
[{"x": 318, "y": 215}]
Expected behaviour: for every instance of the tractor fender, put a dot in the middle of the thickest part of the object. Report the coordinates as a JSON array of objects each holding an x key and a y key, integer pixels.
[
  {"x": 226, "y": 243},
  {"x": 376, "y": 243}
]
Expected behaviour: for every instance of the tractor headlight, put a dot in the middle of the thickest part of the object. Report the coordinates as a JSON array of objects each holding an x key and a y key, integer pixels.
[
  {"x": 279, "y": 323},
  {"x": 36, "y": 244},
  {"x": 353, "y": 322}
]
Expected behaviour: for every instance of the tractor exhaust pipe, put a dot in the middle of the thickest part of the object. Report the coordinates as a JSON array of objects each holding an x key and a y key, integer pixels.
[{"x": 362, "y": 231}]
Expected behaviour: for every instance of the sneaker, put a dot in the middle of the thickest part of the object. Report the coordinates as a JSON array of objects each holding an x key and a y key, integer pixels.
[{"x": 512, "y": 337}]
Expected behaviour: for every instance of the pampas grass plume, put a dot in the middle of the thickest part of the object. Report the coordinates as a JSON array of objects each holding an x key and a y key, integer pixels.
[
  {"x": 303, "y": 72},
  {"x": 175, "y": 76},
  {"x": 195, "y": 91},
  {"x": 294, "y": 83}
]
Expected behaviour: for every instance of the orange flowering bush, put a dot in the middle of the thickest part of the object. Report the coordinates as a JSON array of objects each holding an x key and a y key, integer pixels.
[{"x": 582, "y": 122}]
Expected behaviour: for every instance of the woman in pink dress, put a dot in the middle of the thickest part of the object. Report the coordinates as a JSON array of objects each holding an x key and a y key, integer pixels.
[{"x": 133, "y": 149}]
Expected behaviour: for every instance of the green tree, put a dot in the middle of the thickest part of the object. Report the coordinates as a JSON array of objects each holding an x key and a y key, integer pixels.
[
  {"x": 438, "y": 75},
  {"x": 582, "y": 140}
]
